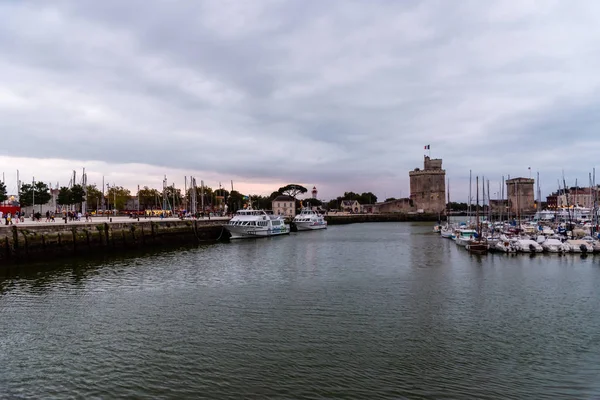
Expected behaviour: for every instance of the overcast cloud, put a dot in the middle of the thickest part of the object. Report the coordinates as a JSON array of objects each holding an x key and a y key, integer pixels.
[{"x": 338, "y": 94}]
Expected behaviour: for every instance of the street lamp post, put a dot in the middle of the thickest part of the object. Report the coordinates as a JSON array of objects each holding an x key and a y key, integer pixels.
[
  {"x": 107, "y": 200},
  {"x": 33, "y": 195}
]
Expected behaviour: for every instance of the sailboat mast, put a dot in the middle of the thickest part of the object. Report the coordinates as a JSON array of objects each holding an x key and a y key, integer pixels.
[
  {"x": 595, "y": 196},
  {"x": 489, "y": 208},
  {"x": 477, "y": 206},
  {"x": 483, "y": 192},
  {"x": 470, "y": 185},
  {"x": 502, "y": 198},
  {"x": 448, "y": 205}
]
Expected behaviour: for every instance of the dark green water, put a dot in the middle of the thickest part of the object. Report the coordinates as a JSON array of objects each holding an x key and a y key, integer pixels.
[{"x": 361, "y": 311}]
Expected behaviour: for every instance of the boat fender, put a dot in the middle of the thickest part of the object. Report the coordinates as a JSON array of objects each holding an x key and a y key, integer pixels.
[
  {"x": 532, "y": 248},
  {"x": 583, "y": 248}
]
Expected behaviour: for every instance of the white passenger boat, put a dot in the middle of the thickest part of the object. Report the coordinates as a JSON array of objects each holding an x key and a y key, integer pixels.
[
  {"x": 251, "y": 223},
  {"x": 309, "y": 220}
]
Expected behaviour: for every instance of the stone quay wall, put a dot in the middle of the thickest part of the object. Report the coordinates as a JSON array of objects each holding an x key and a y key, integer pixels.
[
  {"x": 392, "y": 217},
  {"x": 43, "y": 241}
]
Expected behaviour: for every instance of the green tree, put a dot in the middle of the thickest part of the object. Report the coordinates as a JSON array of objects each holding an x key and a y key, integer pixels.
[
  {"x": 222, "y": 192},
  {"x": 236, "y": 200},
  {"x": 453, "y": 206},
  {"x": 3, "y": 195},
  {"x": 311, "y": 202},
  {"x": 94, "y": 197},
  {"x": 118, "y": 195},
  {"x": 390, "y": 199},
  {"x": 334, "y": 204},
  {"x": 292, "y": 190},
  {"x": 77, "y": 195},
  {"x": 30, "y": 194},
  {"x": 173, "y": 197},
  {"x": 261, "y": 202},
  {"x": 209, "y": 196},
  {"x": 149, "y": 198},
  {"x": 65, "y": 197},
  {"x": 367, "y": 198}
]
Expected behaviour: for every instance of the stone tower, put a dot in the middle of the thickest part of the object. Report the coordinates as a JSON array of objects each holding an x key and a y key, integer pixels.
[
  {"x": 520, "y": 195},
  {"x": 428, "y": 187}
]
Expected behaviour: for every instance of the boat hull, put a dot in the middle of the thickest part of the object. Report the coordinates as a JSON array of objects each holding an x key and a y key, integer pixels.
[
  {"x": 310, "y": 226},
  {"x": 446, "y": 234},
  {"x": 244, "y": 232},
  {"x": 463, "y": 241},
  {"x": 478, "y": 247}
]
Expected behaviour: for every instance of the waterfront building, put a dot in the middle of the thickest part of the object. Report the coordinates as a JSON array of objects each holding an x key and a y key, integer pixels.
[
  {"x": 284, "y": 205},
  {"x": 576, "y": 196},
  {"x": 428, "y": 187},
  {"x": 552, "y": 201},
  {"x": 521, "y": 197},
  {"x": 350, "y": 206}
]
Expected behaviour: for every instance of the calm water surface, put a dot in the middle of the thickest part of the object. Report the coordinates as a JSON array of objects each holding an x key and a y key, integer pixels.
[{"x": 361, "y": 311}]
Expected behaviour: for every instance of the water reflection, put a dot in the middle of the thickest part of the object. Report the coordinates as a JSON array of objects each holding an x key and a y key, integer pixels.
[{"x": 358, "y": 311}]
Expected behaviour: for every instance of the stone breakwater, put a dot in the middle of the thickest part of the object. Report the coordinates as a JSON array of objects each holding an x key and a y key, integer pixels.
[
  {"x": 37, "y": 242},
  {"x": 333, "y": 219}
]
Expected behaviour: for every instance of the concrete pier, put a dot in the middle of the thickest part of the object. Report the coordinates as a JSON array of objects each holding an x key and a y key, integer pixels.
[{"x": 30, "y": 241}]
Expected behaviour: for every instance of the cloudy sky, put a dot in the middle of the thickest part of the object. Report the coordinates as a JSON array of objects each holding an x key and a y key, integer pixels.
[{"x": 338, "y": 94}]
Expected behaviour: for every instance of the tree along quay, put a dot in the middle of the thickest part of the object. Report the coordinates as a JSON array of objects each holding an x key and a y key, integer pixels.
[
  {"x": 39, "y": 242},
  {"x": 333, "y": 219}
]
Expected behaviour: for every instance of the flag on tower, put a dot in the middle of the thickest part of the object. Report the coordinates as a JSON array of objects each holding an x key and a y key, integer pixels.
[{"x": 427, "y": 147}]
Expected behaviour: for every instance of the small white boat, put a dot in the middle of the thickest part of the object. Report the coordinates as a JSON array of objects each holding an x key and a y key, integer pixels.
[
  {"x": 309, "y": 220},
  {"x": 595, "y": 243},
  {"x": 579, "y": 246},
  {"x": 464, "y": 236},
  {"x": 251, "y": 223},
  {"x": 552, "y": 245},
  {"x": 447, "y": 232},
  {"x": 528, "y": 246},
  {"x": 505, "y": 246},
  {"x": 547, "y": 231}
]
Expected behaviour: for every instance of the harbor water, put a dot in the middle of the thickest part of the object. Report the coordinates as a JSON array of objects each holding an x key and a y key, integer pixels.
[{"x": 362, "y": 311}]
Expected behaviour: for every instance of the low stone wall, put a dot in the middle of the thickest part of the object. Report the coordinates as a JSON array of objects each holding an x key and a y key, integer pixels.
[
  {"x": 333, "y": 219},
  {"x": 32, "y": 243}
]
